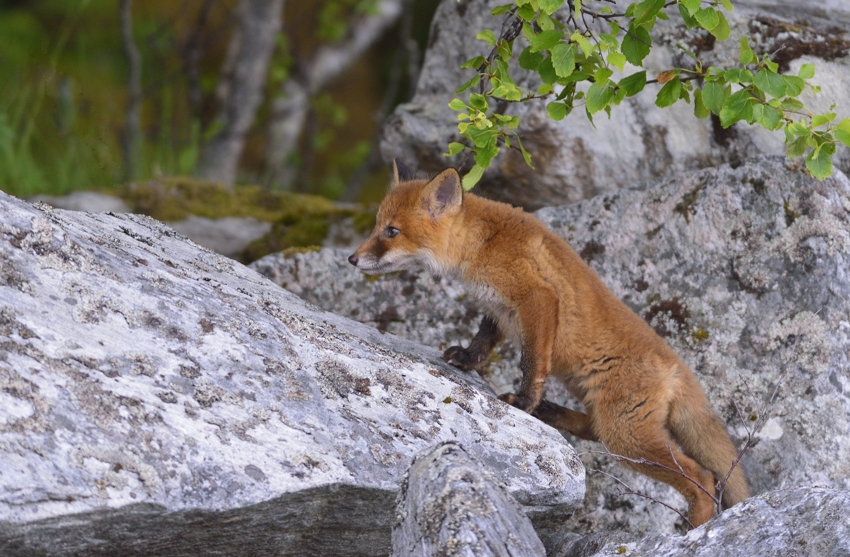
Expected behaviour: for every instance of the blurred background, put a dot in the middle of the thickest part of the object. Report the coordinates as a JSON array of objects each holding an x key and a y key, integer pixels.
[{"x": 287, "y": 96}]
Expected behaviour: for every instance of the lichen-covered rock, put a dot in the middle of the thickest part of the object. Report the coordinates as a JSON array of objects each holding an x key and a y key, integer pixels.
[
  {"x": 575, "y": 159},
  {"x": 743, "y": 270},
  {"x": 450, "y": 504},
  {"x": 159, "y": 399},
  {"x": 805, "y": 522}
]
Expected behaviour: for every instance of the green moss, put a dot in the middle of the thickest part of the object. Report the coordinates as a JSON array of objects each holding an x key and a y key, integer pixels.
[
  {"x": 295, "y": 250},
  {"x": 791, "y": 214},
  {"x": 685, "y": 206},
  {"x": 309, "y": 232},
  {"x": 174, "y": 198},
  {"x": 699, "y": 334},
  {"x": 364, "y": 222}
]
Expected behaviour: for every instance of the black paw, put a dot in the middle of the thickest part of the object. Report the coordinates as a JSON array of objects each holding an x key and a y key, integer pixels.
[
  {"x": 547, "y": 412},
  {"x": 462, "y": 358},
  {"x": 517, "y": 401}
]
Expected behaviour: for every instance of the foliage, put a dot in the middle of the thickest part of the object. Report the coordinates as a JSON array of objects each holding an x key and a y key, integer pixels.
[{"x": 565, "y": 50}]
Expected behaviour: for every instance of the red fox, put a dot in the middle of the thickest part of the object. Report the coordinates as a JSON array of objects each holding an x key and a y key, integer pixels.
[{"x": 640, "y": 398}]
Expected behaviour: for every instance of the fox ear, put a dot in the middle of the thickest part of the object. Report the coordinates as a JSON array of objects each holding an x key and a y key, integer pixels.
[
  {"x": 400, "y": 173},
  {"x": 443, "y": 195}
]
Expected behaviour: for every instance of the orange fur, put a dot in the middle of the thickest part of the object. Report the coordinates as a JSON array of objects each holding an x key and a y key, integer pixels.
[{"x": 640, "y": 398}]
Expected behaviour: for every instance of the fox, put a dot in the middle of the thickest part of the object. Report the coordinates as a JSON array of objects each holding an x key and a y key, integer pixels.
[{"x": 640, "y": 399}]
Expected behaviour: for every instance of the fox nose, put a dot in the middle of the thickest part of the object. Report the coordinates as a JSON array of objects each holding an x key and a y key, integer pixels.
[{"x": 353, "y": 259}]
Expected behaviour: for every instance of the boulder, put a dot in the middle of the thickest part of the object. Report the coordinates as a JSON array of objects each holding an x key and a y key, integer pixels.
[
  {"x": 449, "y": 504},
  {"x": 744, "y": 271},
  {"x": 805, "y": 522},
  {"x": 575, "y": 159},
  {"x": 159, "y": 399}
]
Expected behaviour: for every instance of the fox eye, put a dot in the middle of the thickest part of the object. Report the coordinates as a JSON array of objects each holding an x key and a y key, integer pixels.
[{"x": 391, "y": 232}]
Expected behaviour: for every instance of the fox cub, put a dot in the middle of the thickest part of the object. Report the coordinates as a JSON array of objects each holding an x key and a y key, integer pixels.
[{"x": 640, "y": 398}]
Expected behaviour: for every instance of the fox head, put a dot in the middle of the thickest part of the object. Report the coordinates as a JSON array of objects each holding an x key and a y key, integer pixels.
[{"x": 413, "y": 225}]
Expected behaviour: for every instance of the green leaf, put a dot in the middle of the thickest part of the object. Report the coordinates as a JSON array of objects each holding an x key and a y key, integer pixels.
[
  {"x": 471, "y": 83},
  {"x": 794, "y": 85},
  {"x": 499, "y": 10},
  {"x": 728, "y": 5},
  {"x": 819, "y": 161},
  {"x": 530, "y": 60},
  {"x": 700, "y": 110},
  {"x": 713, "y": 96},
  {"x": 708, "y": 18},
  {"x": 549, "y": 6},
  {"x": 747, "y": 55},
  {"x": 474, "y": 62},
  {"x": 737, "y": 107},
  {"x": 564, "y": 59},
  {"x": 546, "y": 40},
  {"x": 472, "y": 177},
  {"x": 526, "y": 13},
  {"x": 792, "y": 104},
  {"x": 547, "y": 71},
  {"x": 738, "y": 75},
  {"x": 690, "y": 20},
  {"x": 842, "y": 132},
  {"x": 633, "y": 84},
  {"x": 797, "y": 148},
  {"x": 647, "y": 10},
  {"x": 617, "y": 59},
  {"x": 525, "y": 154},
  {"x": 807, "y": 71},
  {"x": 454, "y": 148},
  {"x": 691, "y": 5},
  {"x": 636, "y": 45},
  {"x": 767, "y": 116},
  {"x": 487, "y": 35},
  {"x": 556, "y": 110},
  {"x": 598, "y": 97},
  {"x": 478, "y": 101},
  {"x": 545, "y": 22},
  {"x": 586, "y": 46},
  {"x": 821, "y": 119},
  {"x": 722, "y": 31},
  {"x": 457, "y": 104},
  {"x": 669, "y": 94},
  {"x": 770, "y": 82}
]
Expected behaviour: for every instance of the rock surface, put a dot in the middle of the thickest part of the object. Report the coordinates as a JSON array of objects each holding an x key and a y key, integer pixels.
[
  {"x": 156, "y": 398},
  {"x": 228, "y": 236},
  {"x": 449, "y": 504},
  {"x": 640, "y": 142},
  {"x": 743, "y": 270},
  {"x": 807, "y": 521}
]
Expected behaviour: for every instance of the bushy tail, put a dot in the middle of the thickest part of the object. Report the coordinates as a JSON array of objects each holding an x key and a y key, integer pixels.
[{"x": 701, "y": 434}]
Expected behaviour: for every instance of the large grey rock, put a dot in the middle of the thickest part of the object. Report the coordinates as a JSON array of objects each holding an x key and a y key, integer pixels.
[
  {"x": 159, "y": 399},
  {"x": 449, "y": 504},
  {"x": 576, "y": 159},
  {"x": 743, "y": 270},
  {"x": 806, "y": 521}
]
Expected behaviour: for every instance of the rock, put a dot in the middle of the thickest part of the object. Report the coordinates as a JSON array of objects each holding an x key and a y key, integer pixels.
[
  {"x": 575, "y": 159},
  {"x": 228, "y": 236},
  {"x": 449, "y": 504},
  {"x": 743, "y": 271},
  {"x": 806, "y": 521},
  {"x": 92, "y": 201},
  {"x": 159, "y": 399}
]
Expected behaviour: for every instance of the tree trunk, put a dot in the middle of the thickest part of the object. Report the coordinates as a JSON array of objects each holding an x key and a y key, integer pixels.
[
  {"x": 448, "y": 504},
  {"x": 289, "y": 111},
  {"x": 259, "y": 25},
  {"x": 132, "y": 140}
]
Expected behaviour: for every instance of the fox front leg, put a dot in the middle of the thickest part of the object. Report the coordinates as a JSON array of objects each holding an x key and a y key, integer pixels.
[{"x": 485, "y": 340}]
